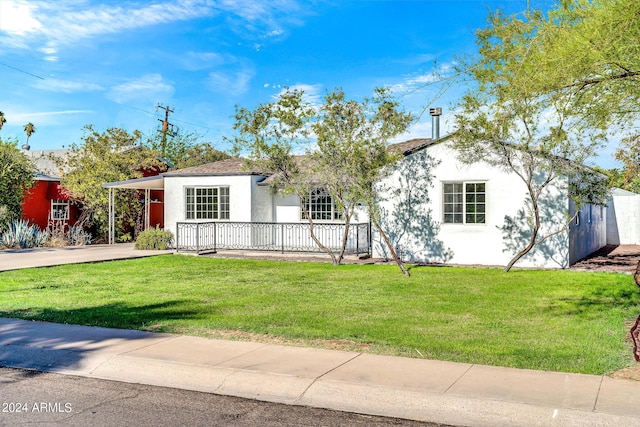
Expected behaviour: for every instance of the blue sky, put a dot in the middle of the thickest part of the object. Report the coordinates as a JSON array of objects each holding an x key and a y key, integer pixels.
[{"x": 69, "y": 63}]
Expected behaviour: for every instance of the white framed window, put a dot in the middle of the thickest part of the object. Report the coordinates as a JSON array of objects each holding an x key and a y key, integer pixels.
[
  {"x": 60, "y": 210},
  {"x": 321, "y": 206},
  {"x": 464, "y": 202},
  {"x": 207, "y": 203}
]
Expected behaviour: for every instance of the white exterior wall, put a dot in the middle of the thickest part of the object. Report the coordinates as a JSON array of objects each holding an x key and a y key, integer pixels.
[
  {"x": 623, "y": 218},
  {"x": 287, "y": 208},
  {"x": 240, "y": 197},
  {"x": 261, "y": 202},
  {"x": 426, "y": 238}
]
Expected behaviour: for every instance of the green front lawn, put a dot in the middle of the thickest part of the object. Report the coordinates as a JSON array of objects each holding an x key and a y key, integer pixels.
[{"x": 552, "y": 320}]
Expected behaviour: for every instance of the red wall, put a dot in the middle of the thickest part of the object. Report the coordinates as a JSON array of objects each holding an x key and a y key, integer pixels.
[{"x": 36, "y": 207}]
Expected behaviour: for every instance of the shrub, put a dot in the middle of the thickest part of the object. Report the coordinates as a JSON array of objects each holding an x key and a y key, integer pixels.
[
  {"x": 154, "y": 239},
  {"x": 22, "y": 235},
  {"x": 62, "y": 235}
]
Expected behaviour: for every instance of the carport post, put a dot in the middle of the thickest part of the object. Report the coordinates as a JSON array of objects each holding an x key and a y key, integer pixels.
[
  {"x": 111, "y": 216},
  {"x": 147, "y": 208}
]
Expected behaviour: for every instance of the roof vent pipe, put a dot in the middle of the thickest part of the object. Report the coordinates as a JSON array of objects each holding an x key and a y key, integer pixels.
[{"x": 435, "y": 122}]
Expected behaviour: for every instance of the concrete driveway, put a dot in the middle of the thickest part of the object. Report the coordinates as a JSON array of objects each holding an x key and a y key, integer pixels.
[{"x": 15, "y": 259}]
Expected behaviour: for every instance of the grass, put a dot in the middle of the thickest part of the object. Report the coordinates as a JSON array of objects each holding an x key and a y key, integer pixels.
[{"x": 550, "y": 320}]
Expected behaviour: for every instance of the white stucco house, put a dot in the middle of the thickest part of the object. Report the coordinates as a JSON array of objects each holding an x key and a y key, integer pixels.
[{"x": 435, "y": 209}]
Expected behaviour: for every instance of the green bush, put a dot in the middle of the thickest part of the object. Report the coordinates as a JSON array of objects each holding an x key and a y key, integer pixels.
[{"x": 154, "y": 239}]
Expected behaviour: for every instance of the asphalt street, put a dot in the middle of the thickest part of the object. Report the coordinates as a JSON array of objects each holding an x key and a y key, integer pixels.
[{"x": 30, "y": 398}]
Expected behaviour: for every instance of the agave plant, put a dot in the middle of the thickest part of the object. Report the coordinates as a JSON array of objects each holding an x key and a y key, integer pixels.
[
  {"x": 22, "y": 235},
  {"x": 79, "y": 237}
]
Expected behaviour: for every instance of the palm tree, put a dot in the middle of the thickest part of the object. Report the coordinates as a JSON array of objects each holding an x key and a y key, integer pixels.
[
  {"x": 30, "y": 129},
  {"x": 2, "y": 119}
]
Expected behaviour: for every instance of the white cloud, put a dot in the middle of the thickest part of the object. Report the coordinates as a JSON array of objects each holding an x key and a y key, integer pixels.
[
  {"x": 65, "y": 22},
  {"x": 149, "y": 88},
  {"x": 16, "y": 17},
  {"x": 195, "y": 61},
  {"x": 66, "y": 86},
  {"x": 43, "y": 118},
  {"x": 234, "y": 83}
]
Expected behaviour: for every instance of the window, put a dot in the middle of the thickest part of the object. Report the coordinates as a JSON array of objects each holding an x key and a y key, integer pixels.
[
  {"x": 320, "y": 206},
  {"x": 60, "y": 209},
  {"x": 464, "y": 202},
  {"x": 207, "y": 203}
]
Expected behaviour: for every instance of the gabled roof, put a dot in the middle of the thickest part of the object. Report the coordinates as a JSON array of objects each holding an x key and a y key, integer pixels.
[
  {"x": 238, "y": 166},
  {"x": 45, "y": 162},
  {"x": 233, "y": 166},
  {"x": 411, "y": 146}
]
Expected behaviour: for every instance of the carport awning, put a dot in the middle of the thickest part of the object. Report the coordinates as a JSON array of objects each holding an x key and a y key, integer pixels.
[{"x": 146, "y": 183}]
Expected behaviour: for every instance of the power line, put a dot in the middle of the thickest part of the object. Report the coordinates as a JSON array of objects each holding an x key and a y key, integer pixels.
[{"x": 22, "y": 71}]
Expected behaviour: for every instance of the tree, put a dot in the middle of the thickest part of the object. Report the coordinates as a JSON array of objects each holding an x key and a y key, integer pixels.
[
  {"x": 582, "y": 53},
  {"x": 16, "y": 177},
  {"x": 351, "y": 154},
  {"x": 185, "y": 150},
  {"x": 269, "y": 135},
  {"x": 29, "y": 129},
  {"x": 536, "y": 110},
  {"x": 3, "y": 120},
  {"x": 113, "y": 155},
  {"x": 629, "y": 155},
  {"x": 200, "y": 154}
]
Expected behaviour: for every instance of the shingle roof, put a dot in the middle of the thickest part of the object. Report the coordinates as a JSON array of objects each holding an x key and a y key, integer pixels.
[
  {"x": 234, "y": 166},
  {"x": 238, "y": 166},
  {"x": 407, "y": 147},
  {"x": 45, "y": 162}
]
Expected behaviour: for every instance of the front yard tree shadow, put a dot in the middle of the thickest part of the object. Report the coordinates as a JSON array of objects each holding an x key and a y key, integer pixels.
[
  {"x": 410, "y": 225},
  {"x": 550, "y": 244},
  {"x": 115, "y": 315}
]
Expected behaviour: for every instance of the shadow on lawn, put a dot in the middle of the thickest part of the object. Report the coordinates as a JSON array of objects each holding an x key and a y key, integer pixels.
[
  {"x": 115, "y": 315},
  {"x": 595, "y": 301},
  {"x": 60, "y": 339}
]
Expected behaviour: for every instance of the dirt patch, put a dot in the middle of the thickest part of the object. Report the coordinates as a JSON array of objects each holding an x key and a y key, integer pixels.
[
  {"x": 612, "y": 259},
  {"x": 335, "y": 344}
]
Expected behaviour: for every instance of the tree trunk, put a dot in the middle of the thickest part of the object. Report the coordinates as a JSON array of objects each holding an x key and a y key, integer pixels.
[
  {"x": 393, "y": 252},
  {"x": 634, "y": 329},
  {"x": 329, "y": 252},
  {"x": 534, "y": 234},
  {"x": 345, "y": 235}
]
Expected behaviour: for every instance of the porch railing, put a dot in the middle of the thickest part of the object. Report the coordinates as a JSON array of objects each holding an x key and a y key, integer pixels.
[{"x": 269, "y": 236}]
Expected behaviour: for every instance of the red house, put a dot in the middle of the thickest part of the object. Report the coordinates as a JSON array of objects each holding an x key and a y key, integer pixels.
[{"x": 46, "y": 201}]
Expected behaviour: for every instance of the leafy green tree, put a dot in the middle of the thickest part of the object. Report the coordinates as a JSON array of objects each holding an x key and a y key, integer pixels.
[
  {"x": 351, "y": 154},
  {"x": 629, "y": 155},
  {"x": 270, "y": 134},
  {"x": 185, "y": 150},
  {"x": 537, "y": 110},
  {"x": 113, "y": 155},
  {"x": 16, "y": 177},
  {"x": 3, "y": 120}
]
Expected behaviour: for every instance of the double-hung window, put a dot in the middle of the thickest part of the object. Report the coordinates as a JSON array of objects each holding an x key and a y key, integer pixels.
[
  {"x": 321, "y": 206},
  {"x": 60, "y": 210},
  {"x": 207, "y": 203},
  {"x": 464, "y": 202}
]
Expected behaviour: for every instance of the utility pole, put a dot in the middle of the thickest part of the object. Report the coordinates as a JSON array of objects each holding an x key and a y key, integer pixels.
[{"x": 165, "y": 126}]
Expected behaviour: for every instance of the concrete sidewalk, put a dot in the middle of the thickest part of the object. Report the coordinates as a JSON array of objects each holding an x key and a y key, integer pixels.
[
  {"x": 15, "y": 259},
  {"x": 451, "y": 393}
]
